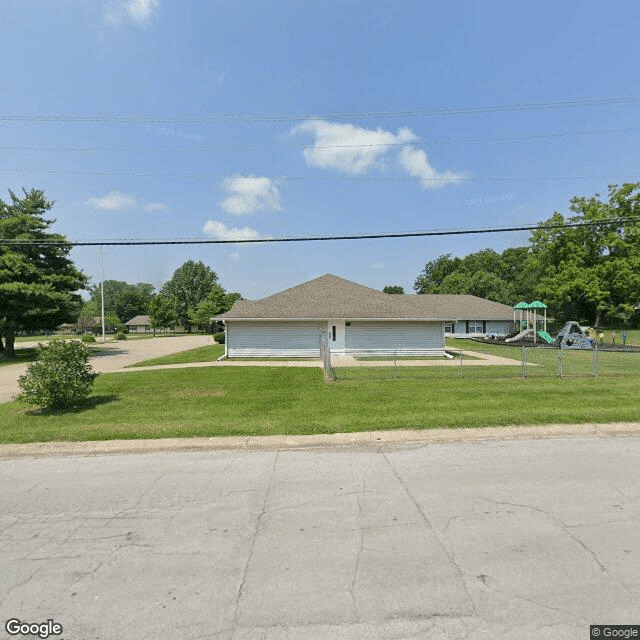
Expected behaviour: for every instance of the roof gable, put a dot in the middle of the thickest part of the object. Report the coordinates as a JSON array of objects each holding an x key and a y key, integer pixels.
[
  {"x": 138, "y": 321},
  {"x": 330, "y": 297}
]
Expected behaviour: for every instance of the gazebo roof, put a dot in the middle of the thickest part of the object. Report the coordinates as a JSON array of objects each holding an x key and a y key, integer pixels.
[
  {"x": 536, "y": 304},
  {"x": 521, "y": 305}
]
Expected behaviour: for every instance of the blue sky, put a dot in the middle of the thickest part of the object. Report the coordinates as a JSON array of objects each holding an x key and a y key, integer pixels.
[{"x": 371, "y": 161}]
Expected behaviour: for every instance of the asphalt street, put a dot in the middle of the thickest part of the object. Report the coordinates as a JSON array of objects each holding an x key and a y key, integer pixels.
[{"x": 489, "y": 539}]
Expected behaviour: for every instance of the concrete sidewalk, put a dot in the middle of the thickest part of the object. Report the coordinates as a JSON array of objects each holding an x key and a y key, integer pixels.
[
  {"x": 470, "y": 358},
  {"x": 319, "y": 441},
  {"x": 473, "y": 359}
]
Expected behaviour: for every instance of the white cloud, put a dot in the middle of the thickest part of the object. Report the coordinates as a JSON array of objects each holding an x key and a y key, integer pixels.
[
  {"x": 357, "y": 150},
  {"x": 347, "y": 147},
  {"x": 220, "y": 231},
  {"x": 416, "y": 163},
  {"x": 155, "y": 206},
  {"x": 249, "y": 194},
  {"x": 113, "y": 201},
  {"x": 139, "y": 12},
  {"x": 234, "y": 256},
  {"x": 117, "y": 201},
  {"x": 378, "y": 265}
]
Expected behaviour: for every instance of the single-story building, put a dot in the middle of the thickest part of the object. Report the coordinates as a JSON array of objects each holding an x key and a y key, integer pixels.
[
  {"x": 348, "y": 316},
  {"x": 139, "y": 324},
  {"x": 476, "y": 316}
]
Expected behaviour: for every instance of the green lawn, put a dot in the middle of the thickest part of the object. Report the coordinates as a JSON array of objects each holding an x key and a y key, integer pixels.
[
  {"x": 272, "y": 400},
  {"x": 456, "y": 344},
  {"x": 42, "y": 337},
  {"x": 634, "y": 335},
  {"x": 149, "y": 335},
  {"x": 208, "y": 353}
]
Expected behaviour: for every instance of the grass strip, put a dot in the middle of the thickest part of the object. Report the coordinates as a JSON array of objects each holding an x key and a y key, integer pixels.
[
  {"x": 272, "y": 400},
  {"x": 209, "y": 353}
]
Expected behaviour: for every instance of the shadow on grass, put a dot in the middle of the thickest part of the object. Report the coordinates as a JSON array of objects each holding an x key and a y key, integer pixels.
[
  {"x": 21, "y": 355},
  {"x": 92, "y": 402},
  {"x": 96, "y": 352}
]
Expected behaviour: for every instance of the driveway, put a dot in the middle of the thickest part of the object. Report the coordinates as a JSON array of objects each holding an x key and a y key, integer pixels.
[
  {"x": 503, "y": 539},
  {"x": 113, "y": 356}
]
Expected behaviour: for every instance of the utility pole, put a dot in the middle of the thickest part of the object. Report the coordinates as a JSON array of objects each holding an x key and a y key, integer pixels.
[{"x": 102, "y": 288}]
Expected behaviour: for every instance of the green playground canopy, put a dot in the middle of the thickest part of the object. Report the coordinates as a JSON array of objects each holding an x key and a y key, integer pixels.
[
  {"x": 521, "y": 305},
  {"x": 536, "y": 304}
]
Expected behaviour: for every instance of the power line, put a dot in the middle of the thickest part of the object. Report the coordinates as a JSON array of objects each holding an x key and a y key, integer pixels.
[
  {"x": 328, "y": 146},
  {"x": 229, "y": 118},
  {"x": 366, "y": 236},
  {"x": 286, "y": 178}
]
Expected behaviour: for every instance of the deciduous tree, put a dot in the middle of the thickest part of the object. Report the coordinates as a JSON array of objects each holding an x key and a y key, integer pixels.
[
  {"x": 123, "y": 299},
  {"x": 188, "y": 287},
  {"x": 393, "y": 288},
  {"x": 162, "y": 313}
]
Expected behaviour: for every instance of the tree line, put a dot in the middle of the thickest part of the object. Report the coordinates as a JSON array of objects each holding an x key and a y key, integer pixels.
[
  {"x": 191, "y": 297},
  {"x": 586, "y": 273}
]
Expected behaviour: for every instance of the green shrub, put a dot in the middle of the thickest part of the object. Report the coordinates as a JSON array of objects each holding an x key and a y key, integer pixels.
[
  {"x": 219, "y": 337},
  {"x": 121, "y": 335},
  {"x": 60, "y": 377},
  {"x": 88, "y": 337}
]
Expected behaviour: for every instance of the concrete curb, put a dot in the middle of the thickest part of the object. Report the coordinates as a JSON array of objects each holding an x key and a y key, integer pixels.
[{"x": 319, "y": 441}]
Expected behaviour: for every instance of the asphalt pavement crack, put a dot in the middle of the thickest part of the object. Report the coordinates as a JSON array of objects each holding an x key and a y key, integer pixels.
[
  {"x": 449, "y": 555},
  {"x": 567, "y": 529},
  {"x": 20, "y": 584},
  {"x": 253, "y": 539},
  {"x": 138, "y": 501},
  {"x": 358, "y": 554}
]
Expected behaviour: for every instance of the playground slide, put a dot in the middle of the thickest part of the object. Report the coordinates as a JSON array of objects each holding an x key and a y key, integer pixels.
[
  {"x": 520, "y": 335},
  {"x": 546, "y": 337}
]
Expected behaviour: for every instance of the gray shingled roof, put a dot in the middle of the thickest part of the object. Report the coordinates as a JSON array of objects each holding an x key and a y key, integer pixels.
[
  {"x": 329, "y": 297},
  {"x": 138, "y": 321},
  {"x": 464, "y": 307}
]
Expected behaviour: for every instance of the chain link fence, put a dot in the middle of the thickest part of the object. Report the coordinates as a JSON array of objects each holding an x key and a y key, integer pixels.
[{"x": 496, "y": 363}]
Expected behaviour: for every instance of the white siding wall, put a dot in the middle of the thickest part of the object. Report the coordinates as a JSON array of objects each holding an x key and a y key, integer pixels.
[
  {"x": 499, "y": 327},
  {"x": 263, "y": 339},
  {"x": 423, "y": 338},
  {"x": 137, "y": 328}
]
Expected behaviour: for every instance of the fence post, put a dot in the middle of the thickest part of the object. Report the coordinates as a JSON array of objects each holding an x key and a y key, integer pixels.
[
  {"x": 559, "y": 364},
  {"x": 523, "y": 368},
  {"x": 395, "y": 364},
  {"x": 325, "y": 355},
  {"x": 594, "y": 361},
  {"x": 461, "y": 367}
]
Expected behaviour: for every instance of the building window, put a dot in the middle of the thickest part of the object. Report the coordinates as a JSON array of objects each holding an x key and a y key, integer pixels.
[
  {"x": 448, "y": 327},
  {"x": 333, "y": 333},
  {"x": 475, "y": 326}
]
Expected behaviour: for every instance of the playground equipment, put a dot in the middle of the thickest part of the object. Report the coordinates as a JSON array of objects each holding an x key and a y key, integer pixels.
[
  {"x": 529, "y": 324},
  {"x": 573, "y": 337}
]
